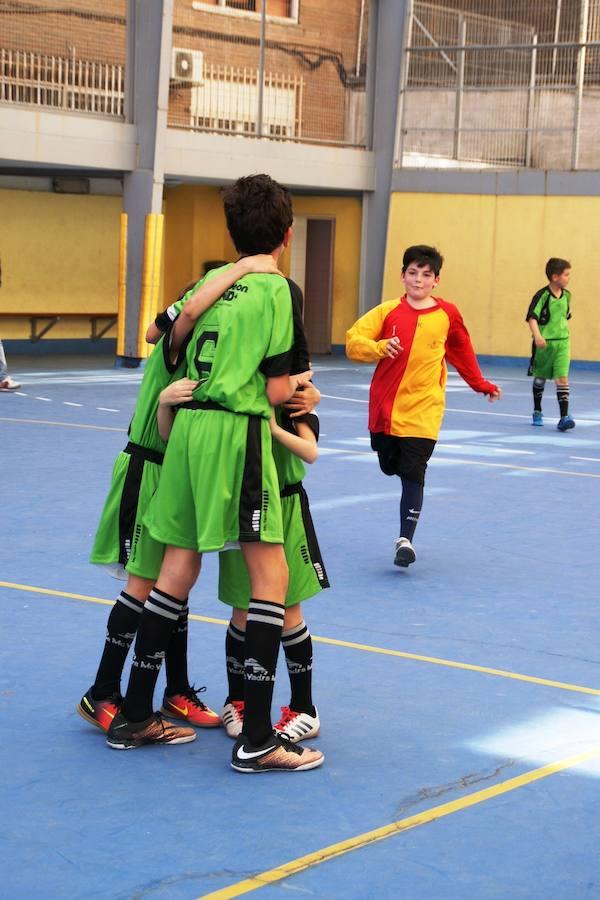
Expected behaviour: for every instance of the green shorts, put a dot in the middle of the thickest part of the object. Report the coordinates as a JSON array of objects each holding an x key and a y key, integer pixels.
[
  {"x": 122, "y": 542},
  {"x": 553, "y": 360},
  {"x": 307, "y": 571},
  {"x": 218, "y": 483}
]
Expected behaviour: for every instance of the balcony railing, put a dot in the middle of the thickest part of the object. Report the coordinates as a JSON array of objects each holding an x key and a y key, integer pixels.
[
  {"x": 225, "y": 99},
  {"x": 65, "y": 83}
]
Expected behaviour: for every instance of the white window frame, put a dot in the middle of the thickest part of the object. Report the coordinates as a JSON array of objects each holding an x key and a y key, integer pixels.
[{"x": 222, "y": 9}]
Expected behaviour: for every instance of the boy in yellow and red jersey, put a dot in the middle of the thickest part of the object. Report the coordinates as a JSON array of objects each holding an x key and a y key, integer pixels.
[{"x": 411, "y": 339}]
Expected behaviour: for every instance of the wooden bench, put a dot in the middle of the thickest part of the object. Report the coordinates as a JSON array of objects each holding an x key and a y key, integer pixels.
[{"x": 42, "y": 322}]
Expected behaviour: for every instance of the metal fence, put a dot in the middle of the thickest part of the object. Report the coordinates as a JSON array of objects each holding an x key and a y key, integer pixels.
[
  {"x": 493, "y": 83},
  {"x": 292, "y": 70},
  {"x": 69, "y": 56}
]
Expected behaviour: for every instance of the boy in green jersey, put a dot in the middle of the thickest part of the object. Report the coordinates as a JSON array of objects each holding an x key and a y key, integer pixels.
[
  {"x": 547, "y": 317},
  {"x": 295, "y": 442},
  {"x": 122, "y": 542},
  {"x": 219, "y": 480}
]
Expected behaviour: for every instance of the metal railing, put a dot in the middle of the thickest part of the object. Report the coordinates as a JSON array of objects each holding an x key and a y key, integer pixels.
[
  {"x": 501, "y": 92},
  {"x": 59, "y": 82},
  {"x": 225, "y": 99},
  {"x": 240, "y": 69}
]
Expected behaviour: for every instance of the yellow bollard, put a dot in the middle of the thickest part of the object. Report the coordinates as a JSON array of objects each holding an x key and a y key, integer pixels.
[{"x": 122, "y": 296}]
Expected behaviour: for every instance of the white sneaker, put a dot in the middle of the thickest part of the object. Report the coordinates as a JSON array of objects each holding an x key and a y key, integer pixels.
[
  {"x": 298, "y": 726},
  {"x": 9, "y": 385},
  {"x": 405, "y": 553},
  {"x": 233, "y": 717}
]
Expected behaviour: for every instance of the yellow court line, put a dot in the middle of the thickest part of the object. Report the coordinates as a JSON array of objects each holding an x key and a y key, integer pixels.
[
  {"x": 452, "y": 664},
  {"x": 367, "y": 648},
  {"x": 294, "y": 867},
  {"x": 61, "y": 424}
]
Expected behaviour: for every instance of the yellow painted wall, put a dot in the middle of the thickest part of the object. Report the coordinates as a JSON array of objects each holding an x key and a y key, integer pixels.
[
  {"x": 59, "y": 253},
  {"x": 196, "y": 231},
  {"x": 495, "y": 250},
  {"x": 347, "y": 212}
]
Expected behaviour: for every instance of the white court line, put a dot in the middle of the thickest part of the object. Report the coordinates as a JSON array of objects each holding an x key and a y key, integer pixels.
[
  {"x": 45, "y": 399},
  {"x": 348, "y": 501},
  {"x": 68, "y": 403},
  {"x": 107, "y": 409},
  {"x": 20, "y": 394},
  {"x": 347, "y": 399},
  {"x": 484, "y": 448},
  {"x": 586, "y": 458},
  {"x": 472, "y": 412}
]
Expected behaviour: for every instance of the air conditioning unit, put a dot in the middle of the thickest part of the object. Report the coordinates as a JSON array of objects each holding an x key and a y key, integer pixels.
[{"x": 187, "y": 65}]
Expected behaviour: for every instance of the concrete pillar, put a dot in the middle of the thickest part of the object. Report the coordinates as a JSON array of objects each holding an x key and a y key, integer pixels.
[
  {"x": 150, "y": 24},
  {"x": 386, "y": 43}
]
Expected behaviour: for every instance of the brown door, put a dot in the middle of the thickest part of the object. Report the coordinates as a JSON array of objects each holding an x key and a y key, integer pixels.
[{"x": 318, "y": 283}]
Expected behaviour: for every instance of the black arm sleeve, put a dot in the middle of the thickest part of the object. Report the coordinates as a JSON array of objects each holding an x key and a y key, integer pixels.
[
  {"x": 162, "y": 321},
  {"x": 534, "y": 302},
  {"x": 310, "y": 419},
  {"x": 301, "y": 357}
]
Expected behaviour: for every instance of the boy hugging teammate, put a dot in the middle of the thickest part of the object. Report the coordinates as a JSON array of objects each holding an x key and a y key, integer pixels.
[{"x": 219, "y": 482}]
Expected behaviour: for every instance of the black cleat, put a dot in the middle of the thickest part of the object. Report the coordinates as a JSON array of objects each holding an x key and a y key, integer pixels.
[
  {"x": 277, "y": 754},
  {"x": 125, "y": 735}
]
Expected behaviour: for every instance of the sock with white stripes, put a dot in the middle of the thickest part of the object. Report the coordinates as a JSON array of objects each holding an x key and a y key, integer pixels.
[
  {"x": 235, "y": 655},
  {"x": 176, "y": 660},
  {"x": 263, "y": 636},
  {"x": 562, "y": 395},
  {"x": 297, "y": 646},
  {"x": 121, "y": 627},
  {"x": 159, "y": 617}
]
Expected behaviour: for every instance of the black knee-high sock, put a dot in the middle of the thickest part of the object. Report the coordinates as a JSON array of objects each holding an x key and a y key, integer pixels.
[
  {"x": 410, "y": 507},
  {"x": 562, "y": 395},
  {"x": 159, "y": 617},
  {"x": 538, "y": 390},
  {"x": 235, "y": 656},
  {"x": 176, "y": 659},
  {"x": 263, "y": 636},
  {"x": 297, "y": 646},
  {"x": 121, "y": 627}
]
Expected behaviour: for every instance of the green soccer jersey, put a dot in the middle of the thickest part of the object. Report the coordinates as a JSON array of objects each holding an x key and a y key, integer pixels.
[
  {"x": 551, "y": 313},
  {"x": 243, "y": 339},
  {"x": 159, "y": 372}
]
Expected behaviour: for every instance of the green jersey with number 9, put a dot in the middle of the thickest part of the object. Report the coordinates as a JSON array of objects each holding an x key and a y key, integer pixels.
[{"x": 243, "y": 339}]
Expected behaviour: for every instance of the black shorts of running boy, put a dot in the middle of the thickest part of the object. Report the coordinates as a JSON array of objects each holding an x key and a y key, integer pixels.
[{"x": 403, "y": 456}]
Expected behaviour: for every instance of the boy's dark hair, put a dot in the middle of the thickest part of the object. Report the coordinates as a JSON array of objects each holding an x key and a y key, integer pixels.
[
  {"x": 556, "y": 266},
  {"x": 258, "y": 211},
  {"x": 423, "y": 255}
]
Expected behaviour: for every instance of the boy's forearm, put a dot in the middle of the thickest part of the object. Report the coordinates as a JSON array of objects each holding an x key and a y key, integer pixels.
[
  {"x": 363, "y": 340},
  {"x": 201, "y": 300},
  {"x": 302, "y": 447},
  {"x": 210, "y": 291},
  {"x": 534, "y": 328},
  {"x": 364, "y": 349},
  {"x": 165, "y": 417}
]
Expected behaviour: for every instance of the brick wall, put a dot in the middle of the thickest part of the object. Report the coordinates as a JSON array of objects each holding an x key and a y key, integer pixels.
[
  {"x": 321, "y": 48},
  {"x": 87, "y": 29}
]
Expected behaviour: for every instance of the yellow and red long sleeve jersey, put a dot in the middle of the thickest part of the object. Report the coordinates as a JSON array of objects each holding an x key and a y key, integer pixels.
[{"x": 407, "y": 393}]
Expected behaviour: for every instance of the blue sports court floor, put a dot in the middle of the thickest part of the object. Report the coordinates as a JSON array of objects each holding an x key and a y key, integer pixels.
[{"x": 460, "y": 699}]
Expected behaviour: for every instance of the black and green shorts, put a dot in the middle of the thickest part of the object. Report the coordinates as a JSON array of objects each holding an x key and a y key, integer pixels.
[
  {"x": 307, "y": 571},
  {"x": 122, "y": 542},
  {"x": 218, "y": 483}
]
